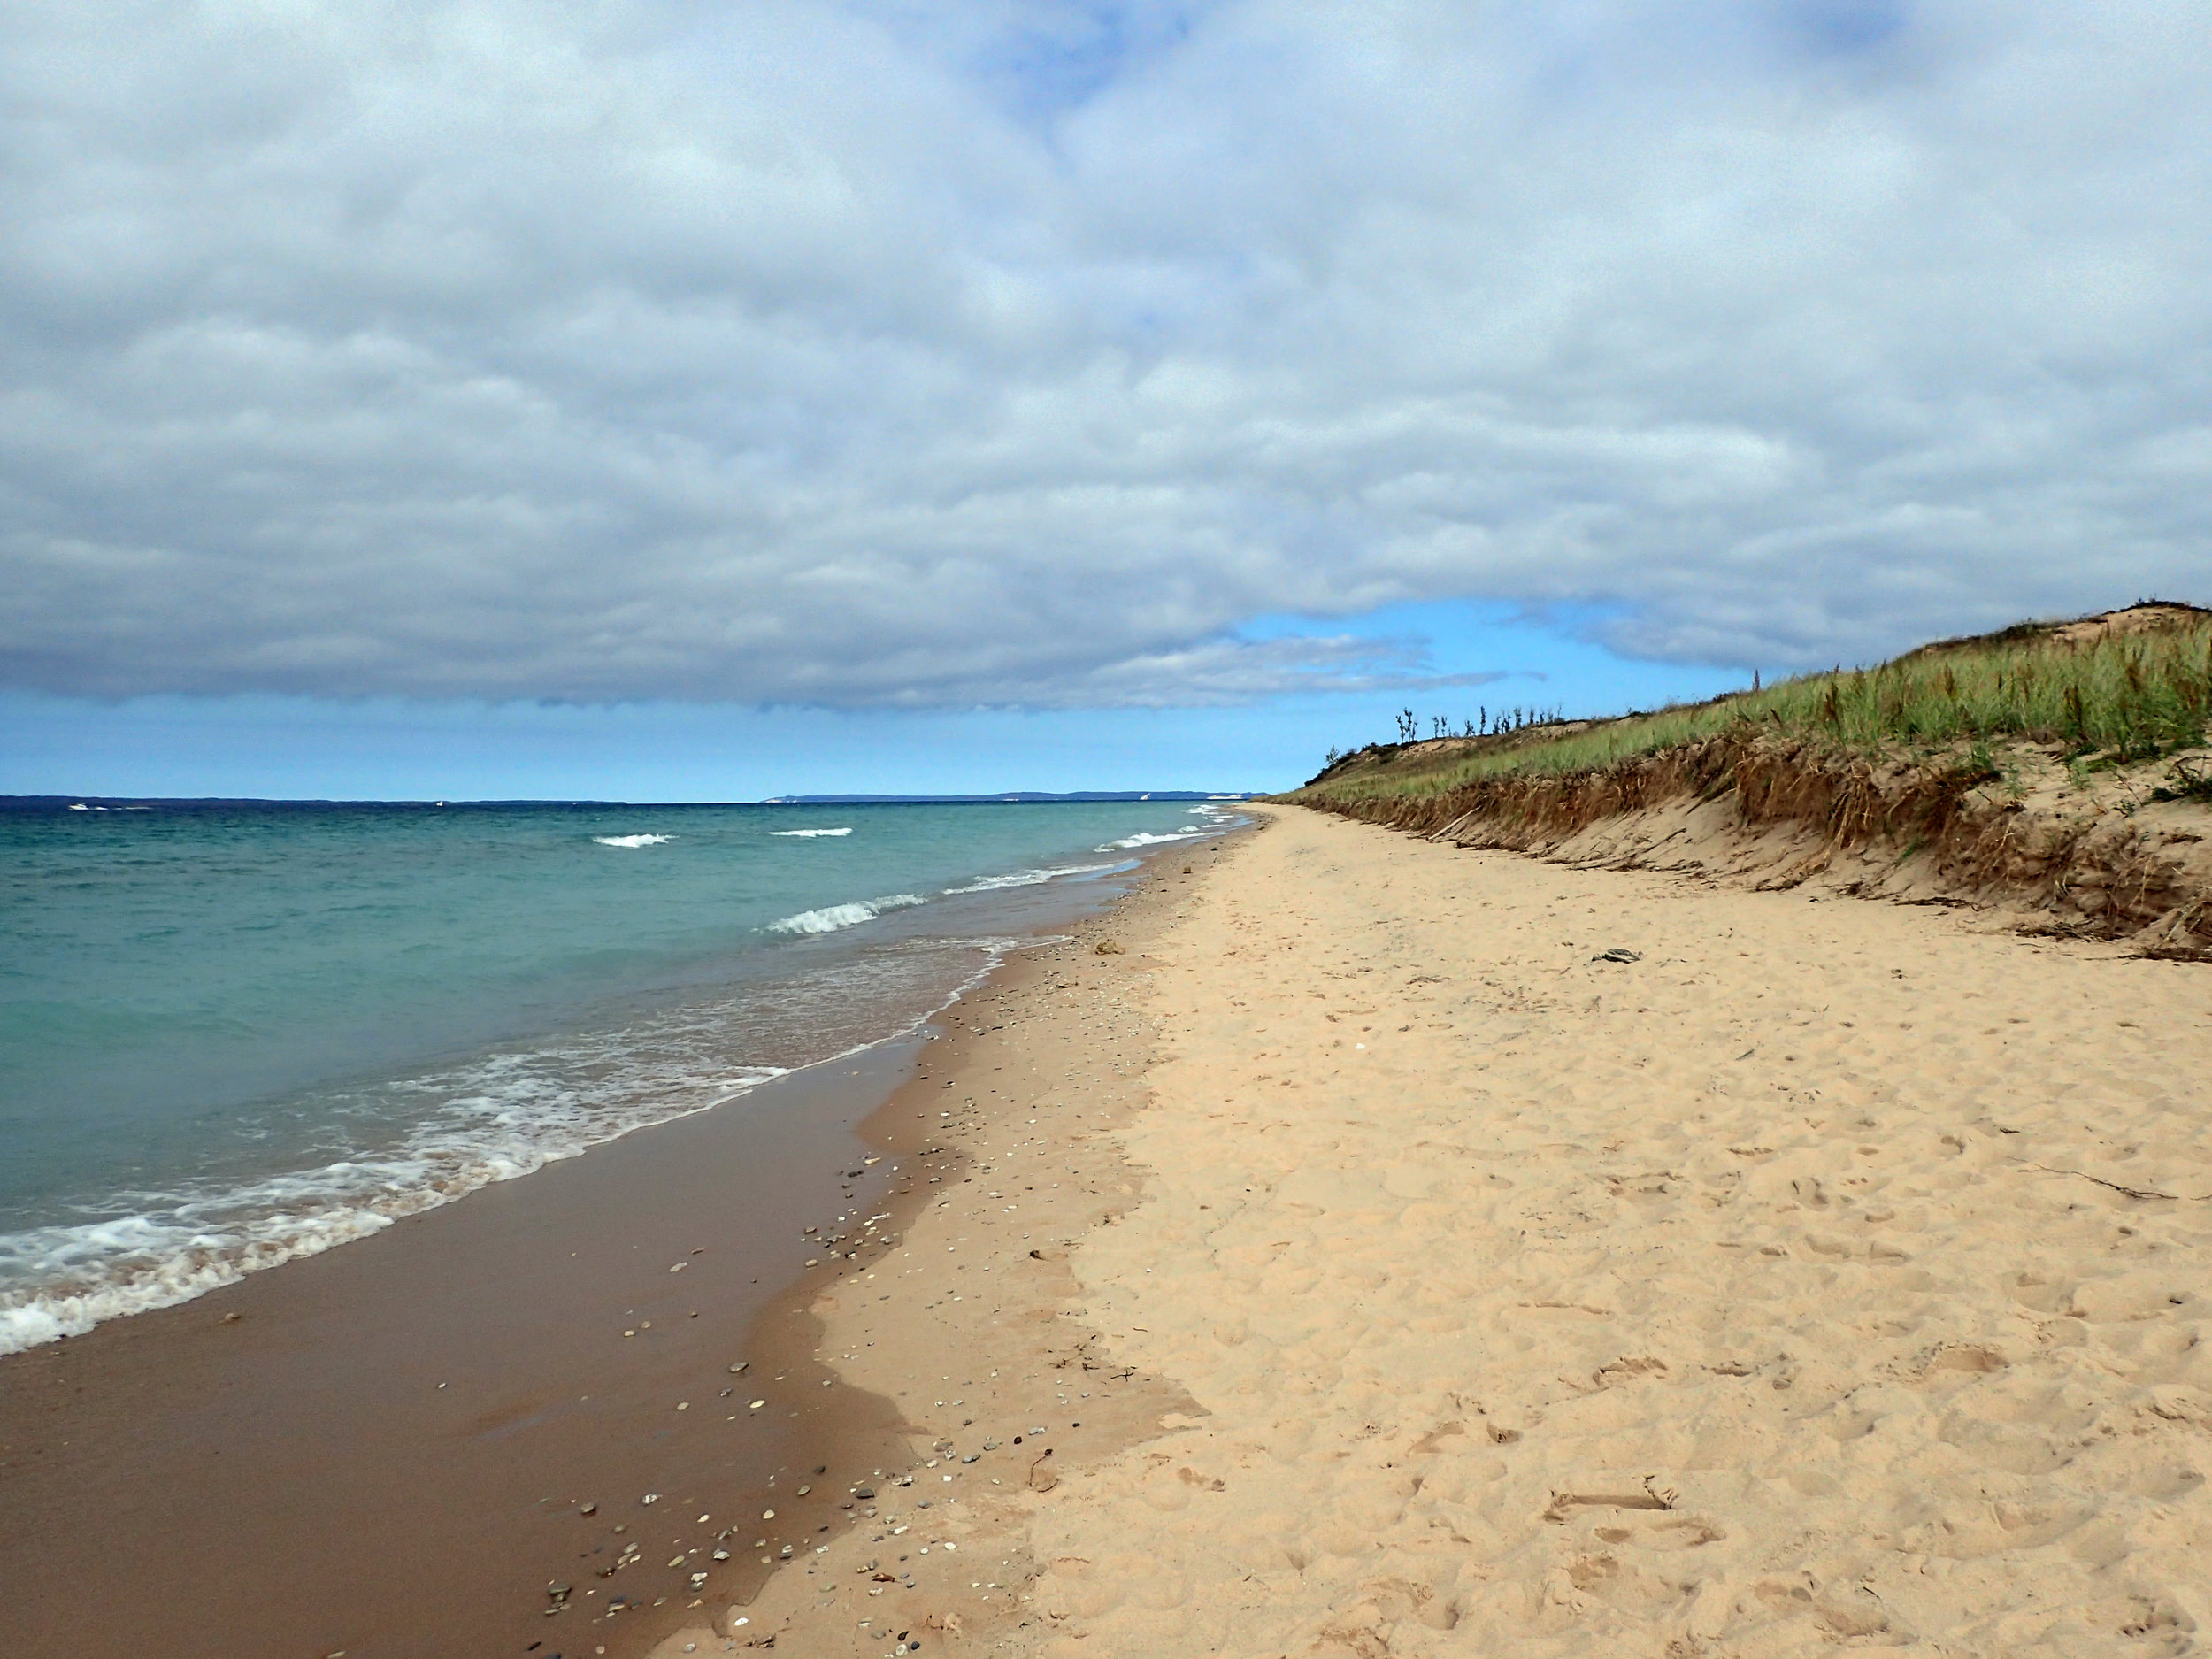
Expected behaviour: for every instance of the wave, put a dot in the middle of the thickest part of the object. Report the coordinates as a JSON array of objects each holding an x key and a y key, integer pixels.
[
  {"x": 1034, "y": 878},
  {"x": 633, "y": 840},
  {"x": 502, "y": 1118},
  {"x": 810, "y": 834},
  {"x": 1142, "y": 839},
  {"x": 831, "y": 918}
]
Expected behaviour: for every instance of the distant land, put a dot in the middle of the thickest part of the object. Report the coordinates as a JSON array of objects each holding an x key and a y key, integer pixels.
[
  {"x": 1011, "y": 794},
  {"x": 147, "y": 803}
]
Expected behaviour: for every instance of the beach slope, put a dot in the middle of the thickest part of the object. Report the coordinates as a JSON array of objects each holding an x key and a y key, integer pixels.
[{"x": 1563, "y": 1261}]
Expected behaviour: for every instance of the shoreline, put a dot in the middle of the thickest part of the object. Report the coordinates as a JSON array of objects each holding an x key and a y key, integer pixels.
[
  {"x": 1510, "y": 1257},
  {"x": 982, "y": 1403},
  {"x": 420, "y": 1418},
  {"x": 366, "y": 1417},
  {"x": 244, "y": 1109}
]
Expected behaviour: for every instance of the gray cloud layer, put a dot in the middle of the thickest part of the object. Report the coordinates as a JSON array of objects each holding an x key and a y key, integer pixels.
[{"x": 893, "y": 354}]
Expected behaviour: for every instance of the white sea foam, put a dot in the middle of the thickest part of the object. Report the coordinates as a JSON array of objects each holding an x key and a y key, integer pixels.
[
  {"x": 833, "y": 916},
  {"x": 501, "y": 1117},
  {"x": 633, "y": 840},
  {"x": 809, "y": 835},
  {"x": 1143, "y": 839},
  {"x": 1034, "y": 878},
  {"x": 494, "y": 1118}
]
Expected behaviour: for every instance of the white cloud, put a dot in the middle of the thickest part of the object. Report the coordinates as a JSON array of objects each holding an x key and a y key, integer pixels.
[{"x": 924, "y": 355}]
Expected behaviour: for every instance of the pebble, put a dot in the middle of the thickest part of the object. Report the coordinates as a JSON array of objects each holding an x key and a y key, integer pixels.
[
  {"x": 651, "y": 1497},
  {"x": 589, "y": 1509}
]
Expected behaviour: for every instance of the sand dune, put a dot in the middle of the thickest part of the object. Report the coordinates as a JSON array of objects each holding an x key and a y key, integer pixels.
[{"x": 1830, "y": 1272}]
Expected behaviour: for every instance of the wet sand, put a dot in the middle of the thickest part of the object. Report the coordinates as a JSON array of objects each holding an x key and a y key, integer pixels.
[
  {"x": 384, "y": 1449},
  {"x": 387, "y": 1449}
]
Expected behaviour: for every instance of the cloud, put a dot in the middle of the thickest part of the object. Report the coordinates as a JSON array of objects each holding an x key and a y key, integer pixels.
[{"x": 922, "y": 356}]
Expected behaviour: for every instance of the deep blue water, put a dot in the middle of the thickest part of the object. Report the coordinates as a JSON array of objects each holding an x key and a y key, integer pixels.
[{"x": 231, "y": 1035}]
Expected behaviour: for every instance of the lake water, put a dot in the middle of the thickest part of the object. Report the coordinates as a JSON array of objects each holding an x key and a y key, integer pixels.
[{"x": 233, "y": 1035}]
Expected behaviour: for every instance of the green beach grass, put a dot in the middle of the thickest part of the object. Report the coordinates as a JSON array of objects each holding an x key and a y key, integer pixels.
[{"x": 2130, "y": 688}]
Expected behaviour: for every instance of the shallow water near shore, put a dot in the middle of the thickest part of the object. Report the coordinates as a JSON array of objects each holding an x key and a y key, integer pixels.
[{"x": 231, "y": 1036}]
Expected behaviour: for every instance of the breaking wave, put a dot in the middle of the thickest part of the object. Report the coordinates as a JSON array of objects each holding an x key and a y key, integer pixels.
[
  {"x": 1141, "y": 839},
  {"x": 833, "y": 916},
  {"x": 1037, "y": 877}
]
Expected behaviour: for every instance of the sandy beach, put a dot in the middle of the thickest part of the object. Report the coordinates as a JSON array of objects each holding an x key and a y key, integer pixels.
[{"x": 1392, "y": 1248}]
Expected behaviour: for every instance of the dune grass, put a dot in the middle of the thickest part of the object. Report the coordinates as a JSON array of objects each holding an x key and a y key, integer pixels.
[{"x": 2116, "y": 698}]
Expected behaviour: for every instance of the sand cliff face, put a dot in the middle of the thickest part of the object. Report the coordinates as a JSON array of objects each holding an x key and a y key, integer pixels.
[
  {"x": 1569, "y": 1261},
  {"x": 2107, "y": 858}
]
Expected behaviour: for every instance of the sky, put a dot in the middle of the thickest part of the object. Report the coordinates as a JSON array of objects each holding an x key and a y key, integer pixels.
[{"x": 675, "y": 400}]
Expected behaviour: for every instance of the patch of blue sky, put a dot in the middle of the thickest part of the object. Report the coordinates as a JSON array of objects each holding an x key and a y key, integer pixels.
[
  {"x": 277, "y": 748},
  {"x": 1045, "y": 57},
  {"x": 1508, "y": 654},
  {"x": 1444, "y": 661},
  {"x": 1845, "y": 28}
]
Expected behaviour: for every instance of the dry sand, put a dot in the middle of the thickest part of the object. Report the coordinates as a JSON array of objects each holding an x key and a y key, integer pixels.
[{"x": 1833, "y": 1273}]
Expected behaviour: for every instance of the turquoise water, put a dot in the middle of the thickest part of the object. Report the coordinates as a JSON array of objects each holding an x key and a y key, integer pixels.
[{"x": 230, "y": 1036}]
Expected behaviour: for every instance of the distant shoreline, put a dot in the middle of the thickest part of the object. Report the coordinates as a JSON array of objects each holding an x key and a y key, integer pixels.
[{"x": 1015, "y": 797}]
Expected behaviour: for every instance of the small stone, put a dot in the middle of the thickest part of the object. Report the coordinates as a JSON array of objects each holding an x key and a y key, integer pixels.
[
  {"x": 589, "y": 1509},
  {"x": 1108, "y": 947},
  {"x": 741, "y": 1367},
  {"x": 651, "y": 1497},
  {"x": 805, "y": 1490}
]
